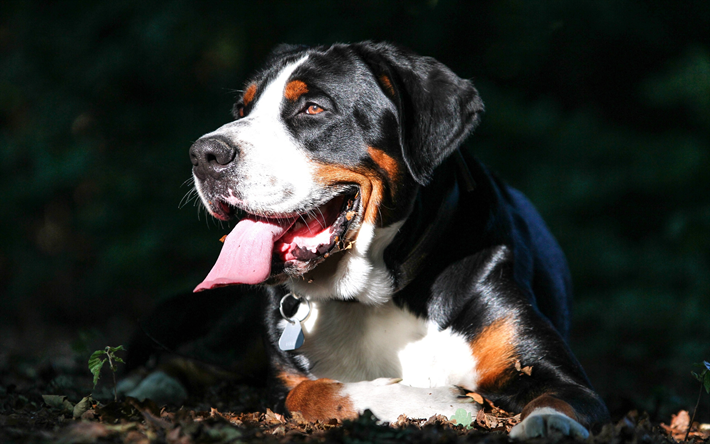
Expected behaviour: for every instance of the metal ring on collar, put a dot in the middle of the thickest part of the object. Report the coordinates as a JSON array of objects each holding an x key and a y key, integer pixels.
[{"x": 300, "y": 299}]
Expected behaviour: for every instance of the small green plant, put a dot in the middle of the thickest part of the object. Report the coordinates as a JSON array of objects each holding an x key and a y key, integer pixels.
[
  {"x": 463, "y": 418},
  {"x": 97, "y": 361},
  {"x": 704, "y": 378}
]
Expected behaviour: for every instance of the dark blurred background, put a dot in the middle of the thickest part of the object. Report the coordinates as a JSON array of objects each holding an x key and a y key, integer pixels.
[{"x": 599, "y": 110}]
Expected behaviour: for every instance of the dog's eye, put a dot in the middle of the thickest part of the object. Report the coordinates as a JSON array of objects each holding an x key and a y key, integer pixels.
[{"x": 312, "y": 108}]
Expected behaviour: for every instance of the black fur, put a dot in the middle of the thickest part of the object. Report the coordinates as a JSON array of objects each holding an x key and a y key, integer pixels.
[
  {"x": 495, "y": 257},
  {"x": 436, "y": 108}
]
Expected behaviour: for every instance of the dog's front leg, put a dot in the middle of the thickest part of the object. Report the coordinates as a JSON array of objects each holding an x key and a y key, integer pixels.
[{"x": 322, "y": 399}]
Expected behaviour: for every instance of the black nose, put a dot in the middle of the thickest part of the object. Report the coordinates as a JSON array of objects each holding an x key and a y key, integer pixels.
[{"x": 211, "y": 156}]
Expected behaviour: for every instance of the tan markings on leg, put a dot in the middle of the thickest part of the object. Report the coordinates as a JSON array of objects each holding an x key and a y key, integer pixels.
[
  {"x": 387, "y": 84},
  {"x": 249, "y": 94},
  {"x": 295, "y": 89},
  {"x": 320, "y": 399},
  {"x": 371, "y": 186},
  {"x": 388, "y": 164},
  {"x": 494, "y": 350},
  {"x": 551, "y": 402},
  {"x": 291, "y": 380}
]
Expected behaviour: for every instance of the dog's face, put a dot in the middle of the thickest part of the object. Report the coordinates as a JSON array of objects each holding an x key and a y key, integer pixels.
[{"x": 323, "y": 161}]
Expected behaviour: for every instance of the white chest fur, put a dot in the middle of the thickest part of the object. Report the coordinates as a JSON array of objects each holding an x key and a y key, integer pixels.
[{"x": 353, "y": 342}]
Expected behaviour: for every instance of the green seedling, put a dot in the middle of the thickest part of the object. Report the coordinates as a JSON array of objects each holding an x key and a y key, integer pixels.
[
  {"x": 97, "y": 361},
  {"x": 704, "y": 378},
  {"x": 463, "y": 418}
]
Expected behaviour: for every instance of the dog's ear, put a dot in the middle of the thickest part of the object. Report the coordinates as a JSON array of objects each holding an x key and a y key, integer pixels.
[{"x": 436, "y": 108}]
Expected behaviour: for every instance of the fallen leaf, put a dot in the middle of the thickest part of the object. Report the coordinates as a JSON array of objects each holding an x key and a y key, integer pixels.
[
  {"x": 681, "y": 420},
  {"x": 58, "y": 402},
  {"x": 481, "y": 418},
  {"x": 279, "y": 430},
  {"x": 679, "y": 427},
  {"x": 81, "y": 407},
  {"x": 525, "y": 370},
  {"x": 274, "y": 418},
  {"x": 476, "y": 397},
  {"x": 298, "y": 418},
  {"x": 156, "y": 422}
]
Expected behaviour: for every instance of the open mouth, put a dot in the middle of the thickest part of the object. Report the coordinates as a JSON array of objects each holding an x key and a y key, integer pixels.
[
  {"x": 318, "y": 234},
  {"x": 259, "y": 248}
]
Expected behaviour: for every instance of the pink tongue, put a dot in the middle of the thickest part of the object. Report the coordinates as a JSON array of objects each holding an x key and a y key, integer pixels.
[{"x": 246, "y": 255}]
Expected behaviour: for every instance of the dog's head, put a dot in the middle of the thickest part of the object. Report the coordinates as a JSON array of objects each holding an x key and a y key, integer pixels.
[{"x": 322, "y": 163}]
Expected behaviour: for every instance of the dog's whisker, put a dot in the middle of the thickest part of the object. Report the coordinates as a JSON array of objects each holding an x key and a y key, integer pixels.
[
  {"x": 322, "y": 218},
  {"x": 304, "y": 219},
  {"x": 187, "y": 198},
  {"x": 312, "y": 215},
  {"x": 188, "y": 181}
]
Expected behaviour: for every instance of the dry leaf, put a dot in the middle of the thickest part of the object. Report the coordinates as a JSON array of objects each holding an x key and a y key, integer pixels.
[
  {"x": 298, "y": 418},
  {"x": 476, "y": 397},
  {"x": 679, "y": 427},
  {"x": 274, "y": 418},
  {"x": 481, "y": 418},
  {"x": 279, "y": 430},
  {"x": 525, "y": 370},
  {"x": 681, "y": 420}
]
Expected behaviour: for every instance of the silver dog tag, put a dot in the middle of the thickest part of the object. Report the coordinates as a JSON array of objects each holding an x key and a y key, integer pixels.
[{"x": 292, "y": 336}]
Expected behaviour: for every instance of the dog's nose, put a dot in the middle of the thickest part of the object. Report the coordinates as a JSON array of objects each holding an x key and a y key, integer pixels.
[{"x": 211, "y": 156}]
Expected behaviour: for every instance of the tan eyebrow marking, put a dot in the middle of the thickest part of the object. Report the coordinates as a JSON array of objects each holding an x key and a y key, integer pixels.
[{"x": 295, "y": 89}]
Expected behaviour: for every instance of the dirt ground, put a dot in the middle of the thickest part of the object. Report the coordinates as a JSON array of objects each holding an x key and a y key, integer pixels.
[{"x": 41, "y": 398}]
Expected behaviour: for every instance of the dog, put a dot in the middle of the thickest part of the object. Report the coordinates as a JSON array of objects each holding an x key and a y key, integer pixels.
[{"x": 398, "y": 273}]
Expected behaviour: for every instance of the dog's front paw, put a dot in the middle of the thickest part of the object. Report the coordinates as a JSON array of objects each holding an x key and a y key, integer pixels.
[
  {"x": 547, "y": 422},
  {"x": 388, "y": 399}
]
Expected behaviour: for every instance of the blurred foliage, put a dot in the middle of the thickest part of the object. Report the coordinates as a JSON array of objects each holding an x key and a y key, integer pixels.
[{"x": 599, "y": 110}]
